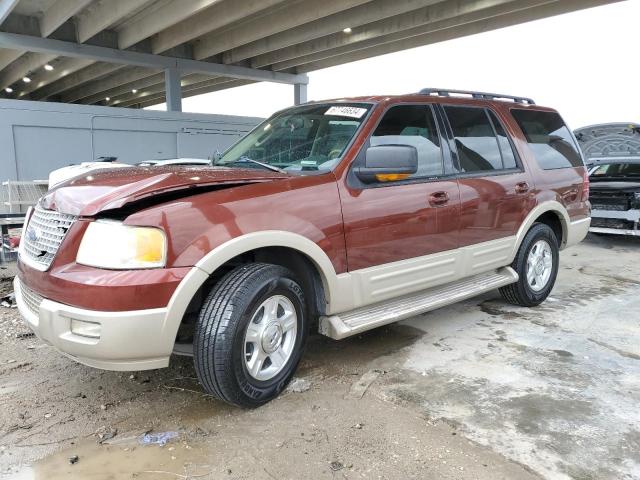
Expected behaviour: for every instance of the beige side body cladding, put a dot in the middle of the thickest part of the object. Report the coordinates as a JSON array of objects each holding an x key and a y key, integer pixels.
[{"x": 349, "y": 291}]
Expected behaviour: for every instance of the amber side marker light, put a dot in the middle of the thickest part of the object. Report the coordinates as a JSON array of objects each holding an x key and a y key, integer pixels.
[{"x": 391, "y": 177}]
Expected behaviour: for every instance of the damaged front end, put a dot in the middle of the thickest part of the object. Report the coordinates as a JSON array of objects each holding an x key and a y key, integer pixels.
[
  {"x": 615, "y": 211},
  {"x": 612, "y": 153}
]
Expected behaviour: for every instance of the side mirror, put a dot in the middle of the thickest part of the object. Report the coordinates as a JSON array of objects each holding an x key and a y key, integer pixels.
[{"x": 388, "y": 163}]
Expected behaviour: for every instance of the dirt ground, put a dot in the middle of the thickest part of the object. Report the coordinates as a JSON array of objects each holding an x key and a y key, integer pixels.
[{"x": 479, "y": 390}]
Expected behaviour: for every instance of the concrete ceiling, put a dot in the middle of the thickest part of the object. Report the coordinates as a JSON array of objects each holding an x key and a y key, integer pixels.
[{"x": 120, "y": 49}]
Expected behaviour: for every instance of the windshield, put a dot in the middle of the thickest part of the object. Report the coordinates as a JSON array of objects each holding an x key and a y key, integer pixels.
[
  {"x": 309, "y": 138},
  {"x": 618, "y": 170}
]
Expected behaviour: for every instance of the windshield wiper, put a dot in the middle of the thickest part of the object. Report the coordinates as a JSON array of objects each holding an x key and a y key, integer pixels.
[{"x": 244, "y": 159}]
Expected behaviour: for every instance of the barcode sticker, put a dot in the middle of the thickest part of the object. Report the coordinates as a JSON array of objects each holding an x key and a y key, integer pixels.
[{"x": 353, "y": 112}]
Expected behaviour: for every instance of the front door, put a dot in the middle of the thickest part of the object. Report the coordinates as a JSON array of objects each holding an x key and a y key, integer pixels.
[{"x": 389, "y": 227}]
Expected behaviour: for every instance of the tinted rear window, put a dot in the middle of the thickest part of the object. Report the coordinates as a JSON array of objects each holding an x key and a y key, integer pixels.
[{"x": 549, "y": 138}]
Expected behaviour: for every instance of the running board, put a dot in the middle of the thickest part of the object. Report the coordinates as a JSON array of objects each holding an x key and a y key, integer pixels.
[{"x": 382, "y": 313}]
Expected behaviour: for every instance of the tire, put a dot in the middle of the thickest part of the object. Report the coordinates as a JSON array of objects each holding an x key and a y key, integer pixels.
[
  {"x": 525, "y": 292},
  {"x": 244, "y": 316}
]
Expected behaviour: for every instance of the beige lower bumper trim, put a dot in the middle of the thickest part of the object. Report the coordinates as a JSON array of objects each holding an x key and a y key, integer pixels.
[{"x": 129, "y": 341}]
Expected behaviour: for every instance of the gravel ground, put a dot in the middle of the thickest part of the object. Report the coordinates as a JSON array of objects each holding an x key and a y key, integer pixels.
[
  {"x": 479, "y": 390},
  {"x": 323, "y": 429}
]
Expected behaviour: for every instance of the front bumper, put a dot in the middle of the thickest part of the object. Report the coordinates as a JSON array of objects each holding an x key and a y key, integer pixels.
[
  {"x": 615, "y": 231},
  {"x": 129, "y": 340},
  {"x": 616, "y": 222}
]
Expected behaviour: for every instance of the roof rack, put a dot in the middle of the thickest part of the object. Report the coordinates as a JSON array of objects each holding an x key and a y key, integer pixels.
[{"x": 445, "y": 92}]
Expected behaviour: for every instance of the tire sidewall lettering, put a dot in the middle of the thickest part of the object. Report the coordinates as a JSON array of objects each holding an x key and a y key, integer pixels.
[{"x": 249, "y": 386}]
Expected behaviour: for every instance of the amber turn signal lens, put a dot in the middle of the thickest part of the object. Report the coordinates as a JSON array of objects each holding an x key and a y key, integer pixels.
[
  {"x": 149, "y": 245},
  {"x": 391, "y": 177}
]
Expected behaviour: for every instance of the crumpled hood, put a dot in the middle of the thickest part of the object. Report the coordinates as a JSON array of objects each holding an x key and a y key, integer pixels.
[{"x": 103, "y": 190}]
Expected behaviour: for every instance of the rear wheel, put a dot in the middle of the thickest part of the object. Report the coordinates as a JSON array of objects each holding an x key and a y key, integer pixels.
[
  {"x": 537, "y": 267},
  {"x": 250, "y": 334}
]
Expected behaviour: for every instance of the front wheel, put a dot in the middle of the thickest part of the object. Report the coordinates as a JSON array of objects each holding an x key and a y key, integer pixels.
[
  {"x": 250, "y": 334},
  {"x": 537, "y": 266}
]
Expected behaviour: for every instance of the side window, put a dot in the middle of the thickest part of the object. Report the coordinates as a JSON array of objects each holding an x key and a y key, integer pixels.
[
  {"x": 412, "y": 125},
  {"x": 475, "y": 140},
  {"x": 508, "y": 156},
  {"x": 549, "y": 139}
]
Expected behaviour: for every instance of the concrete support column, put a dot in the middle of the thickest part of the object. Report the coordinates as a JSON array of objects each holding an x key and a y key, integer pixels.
[
  {"x": 299, "y": 93},
  {"x": 172, "y": 89}
]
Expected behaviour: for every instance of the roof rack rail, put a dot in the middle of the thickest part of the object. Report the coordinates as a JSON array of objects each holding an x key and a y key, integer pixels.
[{"x": 445, "y": 92}]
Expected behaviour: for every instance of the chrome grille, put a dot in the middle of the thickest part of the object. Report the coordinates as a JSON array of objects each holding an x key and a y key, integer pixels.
[
  {"x": 45, "y": 232},
  {"x": 31, "y": 299}
]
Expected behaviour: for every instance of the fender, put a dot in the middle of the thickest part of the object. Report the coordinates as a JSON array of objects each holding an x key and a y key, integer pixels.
[
  {"x": 200, "y": 273},
  {"x": 544, "y": 207}
]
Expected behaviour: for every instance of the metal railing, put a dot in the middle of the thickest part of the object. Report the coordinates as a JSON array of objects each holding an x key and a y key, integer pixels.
[{"x": 17, "y": 196}]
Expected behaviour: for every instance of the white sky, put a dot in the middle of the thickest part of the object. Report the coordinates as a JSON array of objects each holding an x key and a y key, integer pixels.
[{"x": 585, "y": 64}]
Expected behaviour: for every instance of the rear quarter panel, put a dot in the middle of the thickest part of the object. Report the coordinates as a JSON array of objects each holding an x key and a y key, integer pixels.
[{"x": 563, "y": 185}]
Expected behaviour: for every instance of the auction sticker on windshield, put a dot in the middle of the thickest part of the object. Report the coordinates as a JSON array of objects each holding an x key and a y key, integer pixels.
[{"x": 353, "y": 112}]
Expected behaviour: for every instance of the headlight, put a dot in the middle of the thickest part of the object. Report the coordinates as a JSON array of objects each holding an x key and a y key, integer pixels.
[{"x": 112, "y": 245}]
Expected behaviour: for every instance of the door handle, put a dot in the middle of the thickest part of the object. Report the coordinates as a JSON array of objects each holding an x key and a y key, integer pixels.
[
  {"x": 522, "y": 187},
  {"x": 438, "y": 199}
]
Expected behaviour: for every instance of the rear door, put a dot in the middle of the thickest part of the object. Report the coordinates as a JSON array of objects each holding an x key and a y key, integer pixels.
[{"x": 495, "y": 189}]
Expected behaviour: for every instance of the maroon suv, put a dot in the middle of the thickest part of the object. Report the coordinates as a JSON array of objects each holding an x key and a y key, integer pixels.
[{"x": 343, "y": 215}]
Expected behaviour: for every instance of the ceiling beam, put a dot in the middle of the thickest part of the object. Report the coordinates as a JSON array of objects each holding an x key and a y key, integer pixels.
[
  {"x": 88, "y": 74},
  {"x": 198, "y": 89},
  {"x": 127, "y": 75},
  {"x": 285, "y": 17},
  {"x": 158, "y": 88},
  {"x": 24, "y": 63},
  {"x": 101, "y": 15},
  {"x": 23, "y": 66},
  {"x": 91, "y": 19},
  {"x": 126, "y": 57},
  {"x": 58, "y": 13},
  {"x": 322, "y": 26},
  {"x": 558, "y": 7},
  {"x": 161, "y": 18},
  {"x": 403, "y": 26},
  {"x": 124, "y": 89},
  {"x": 219, "y": 15},
  {"x": 63, "y": 67},
  {"x": 6, "y": 7},
  {"x": 8, "y": 56}
]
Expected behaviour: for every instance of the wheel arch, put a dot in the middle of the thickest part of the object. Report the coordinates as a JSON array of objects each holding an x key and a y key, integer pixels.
[
  {"x": 259, "y": 244},
  {"x": 551, "y": 213}
]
